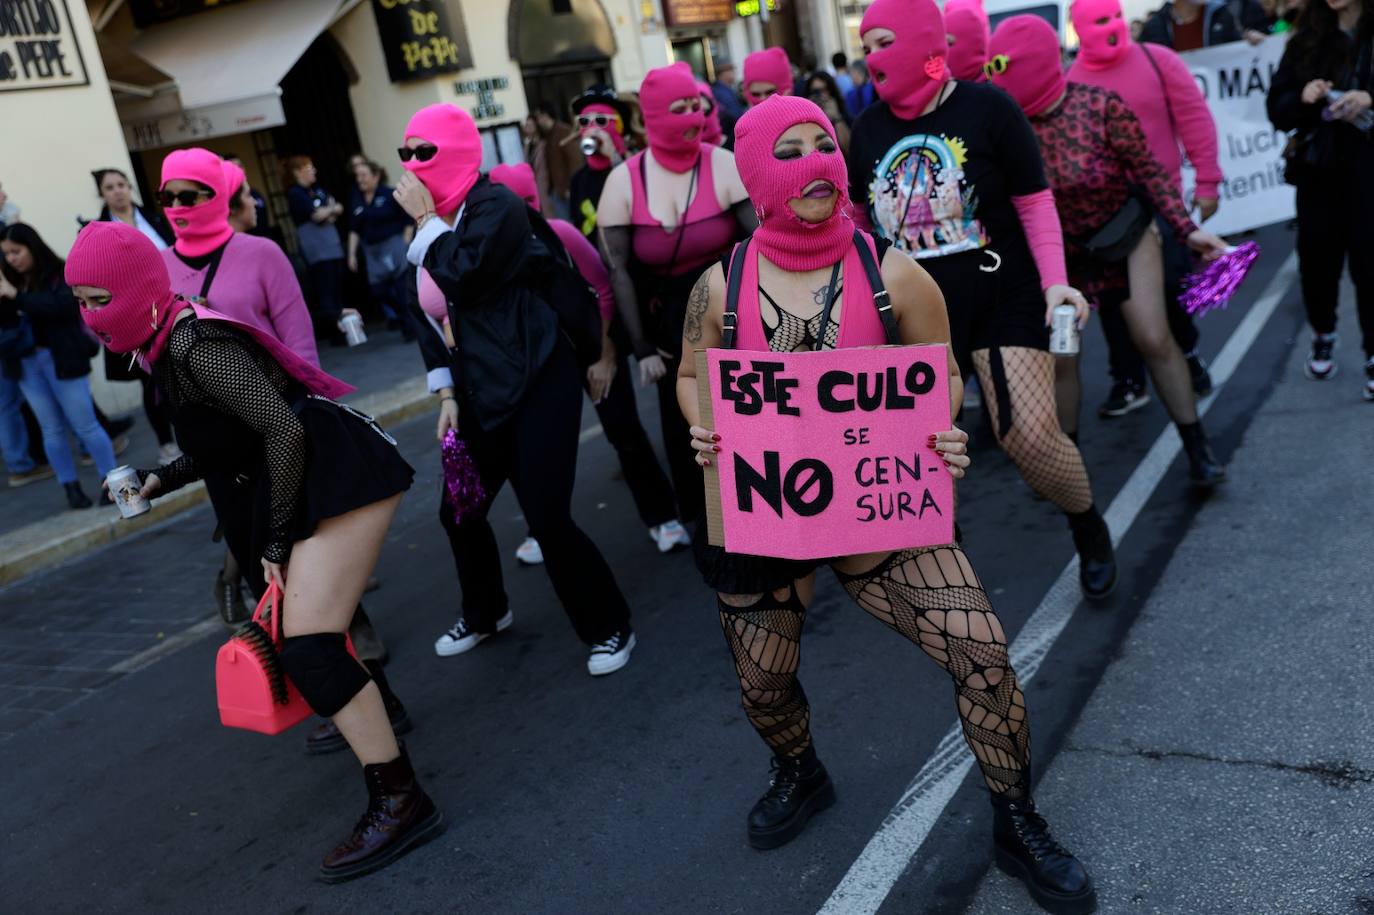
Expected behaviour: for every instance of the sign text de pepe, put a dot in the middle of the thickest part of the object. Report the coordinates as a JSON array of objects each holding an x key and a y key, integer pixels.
[
  {"x": 417, "y": 40},
  {"x": 38, "y": 48}
]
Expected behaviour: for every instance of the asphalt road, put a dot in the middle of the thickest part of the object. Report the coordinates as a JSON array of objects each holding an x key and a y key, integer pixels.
[{"x": 563, "y": 793}]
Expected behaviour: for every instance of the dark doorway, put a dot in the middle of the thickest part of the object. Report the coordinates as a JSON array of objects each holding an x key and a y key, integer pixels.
[{"x": 562, "y": 47}]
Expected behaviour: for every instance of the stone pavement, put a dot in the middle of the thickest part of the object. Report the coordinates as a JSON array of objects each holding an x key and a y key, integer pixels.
[{"x": 1225, "y": 764}]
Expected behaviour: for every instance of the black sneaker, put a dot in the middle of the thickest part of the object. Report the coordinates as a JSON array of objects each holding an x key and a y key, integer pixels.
[
  {"x": 1369, "y": 379},
  {"x": 799, "y": 788},
  {"x": 609, "y": 656},
  {"x": 1126, "y": 397},
  {"x": 1320, "y": 366},
  {"x": 1024, "y": 849},
  {"x": 1202, "y": 379}
]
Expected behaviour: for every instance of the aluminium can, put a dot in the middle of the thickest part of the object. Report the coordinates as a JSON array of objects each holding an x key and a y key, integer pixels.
[
  {"x": 1064, "y": 331},
  {"x": 125, "y": 491}
]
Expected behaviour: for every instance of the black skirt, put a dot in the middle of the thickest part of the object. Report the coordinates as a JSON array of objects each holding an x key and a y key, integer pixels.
[{"x": 743, "y": 573}]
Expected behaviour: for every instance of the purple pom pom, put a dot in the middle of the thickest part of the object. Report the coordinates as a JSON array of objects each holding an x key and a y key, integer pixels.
[
  {"x": 1212, "y": 286},
  {"x": 463, "y": 490}
]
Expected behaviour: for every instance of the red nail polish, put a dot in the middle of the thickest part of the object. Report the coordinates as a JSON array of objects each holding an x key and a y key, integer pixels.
[
  {"x": 715, "y": 437},
  {"x": 706, "y": 461},
  {"x": 931, "y": 444},
  {"x": 716, "y": 449}
]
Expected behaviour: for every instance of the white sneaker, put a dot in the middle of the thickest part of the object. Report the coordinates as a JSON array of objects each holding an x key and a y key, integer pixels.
[
  {"x": 460, "y": 638},
  {"x": 1321, "y": 364},
  {"x": 168, "y": 453},
  {"x": 609, "y": 656},
  {"x": 529, "y": 553},
  {"x": 670, "y": 535}
]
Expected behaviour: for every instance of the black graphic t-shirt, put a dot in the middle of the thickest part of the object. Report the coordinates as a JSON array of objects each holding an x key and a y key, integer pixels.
[{"x": 943, "y": 183}]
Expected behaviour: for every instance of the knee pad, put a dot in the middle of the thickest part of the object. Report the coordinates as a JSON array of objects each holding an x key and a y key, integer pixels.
[{"x": 326, "y": 675}]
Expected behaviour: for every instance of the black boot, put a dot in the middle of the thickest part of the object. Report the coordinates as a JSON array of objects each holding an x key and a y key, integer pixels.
[
  {"x": 229, "y": 601},
  {"x": 326, "y": 737},
  {"x": 1204, "y": 470},
  {"x": 399, "y": 817},
  {"x": 1096, "y": 557},
  {"x": 1025, "y": 850},
  {"x": 800, "y": 787},
  {"x": 75, "y": 497}
]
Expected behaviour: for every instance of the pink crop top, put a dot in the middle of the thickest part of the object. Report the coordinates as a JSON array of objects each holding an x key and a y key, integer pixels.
[{"x": 705, "y": 233}]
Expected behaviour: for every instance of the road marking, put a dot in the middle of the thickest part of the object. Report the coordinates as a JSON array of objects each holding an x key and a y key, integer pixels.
[
  {"x": 168, "y": 646},
  {"x": 588, "y": 434},
  {"x": 887, "y": 855}
]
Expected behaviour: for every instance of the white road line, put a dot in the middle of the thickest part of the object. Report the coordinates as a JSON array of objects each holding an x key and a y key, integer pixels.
[
  {"x": 887, "y": 855},
  {"x": 587, "y": 435},
  {"x": 168, "y": 646}
]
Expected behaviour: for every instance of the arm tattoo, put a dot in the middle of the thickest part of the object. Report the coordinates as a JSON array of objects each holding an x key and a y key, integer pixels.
[{"x": 697, "y": 304}]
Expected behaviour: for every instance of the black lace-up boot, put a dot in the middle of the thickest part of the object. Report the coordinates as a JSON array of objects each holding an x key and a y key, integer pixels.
[
  {"x": 1204, "y": 470},
  {"x": 1025, "y": 850},
  {"x": 800, "y": 787},
  {"x": 1096, "y": 557},
  {"x": 399, "y": 817}
]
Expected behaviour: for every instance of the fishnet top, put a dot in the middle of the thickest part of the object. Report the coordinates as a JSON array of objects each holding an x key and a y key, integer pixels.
[
  {"x": 231, "y": 404},
  {"x": 793, "y": 334}
]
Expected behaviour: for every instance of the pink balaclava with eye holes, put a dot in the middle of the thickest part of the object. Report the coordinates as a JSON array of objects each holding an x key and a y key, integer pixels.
[
  {"x": 667, "y": 131},
  {"x": 911, "y": 71},
  {"x": 1101, "y": 45}
]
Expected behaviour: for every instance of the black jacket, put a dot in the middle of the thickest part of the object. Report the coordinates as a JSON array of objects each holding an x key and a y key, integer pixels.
[
  {"x": 56, "y": 320},
  {"x": 1321, "y": 144},
  {"x": 494, "y": 272},
  {"x": 1218, "y": 26},
  {"x": 155, "y": 219}
]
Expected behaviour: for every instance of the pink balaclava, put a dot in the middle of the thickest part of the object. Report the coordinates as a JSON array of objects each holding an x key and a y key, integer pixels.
[
  {"x": 596, "y": 161},
  {"x": 674, "y": 138},
  {"x": 911, "y": 71},
  {"x": 1102, "y": 45},
  {"x": 207, "y": 223},
  {"x": 968, "y": 42},
  {"x": 454, "y": 169},
  {"x": 711, "y": 134},
  {"x": 771, "y": 182},
  {"x": 1035, "y": 69},
  {"x": 767, "y": 66},
  {"x": 121, "y": 259},
  {"x": 520, "y": 179}
]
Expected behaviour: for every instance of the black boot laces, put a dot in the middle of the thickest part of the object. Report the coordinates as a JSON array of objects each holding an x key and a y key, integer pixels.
[
  {"x": 784, "y": 780},
  {"x": 1034, "y": 832}
]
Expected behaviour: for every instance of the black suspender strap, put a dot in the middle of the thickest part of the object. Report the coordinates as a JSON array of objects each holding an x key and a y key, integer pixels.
[
  {"x": 881, "y": 300},
  {"x": 734, "y": 276},
  {"x": 832, "y": 293}
]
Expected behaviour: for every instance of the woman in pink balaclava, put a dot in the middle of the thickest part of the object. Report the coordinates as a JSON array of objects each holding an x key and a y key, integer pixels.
[
  {"x": 794, "y": 172},
  {"x": 950, "y": 171},
  {"x": 1095, "y": 152},
  {"x": 666, "y": 213},
  {"x": 260, "y": 419},
  {"x": 510, "y": 385},
  {"x": 766, "y": 73},
  {"x": 966, "y": 29}
]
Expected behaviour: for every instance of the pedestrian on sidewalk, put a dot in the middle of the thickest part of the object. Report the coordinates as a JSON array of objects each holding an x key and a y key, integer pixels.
[
  {"x": 380, "y": 231},
  {"x": 315, "y": 212},
  {"x": 931, "y": 596},
  {"x": 665, "y": 214},
  {"x": 951, "y": 173},
  {"x": 512, "y": 389},
  {"x": 328, "y": 479},
  {"x": 52, "y": 368},
  {"x": 767, "y": 73},
  {"x": 1159, "y": 88},
  {"x": 15, "y": 447},
  {"x": 1099, "y": 165},
  {"x": 1331, "y": 161}
]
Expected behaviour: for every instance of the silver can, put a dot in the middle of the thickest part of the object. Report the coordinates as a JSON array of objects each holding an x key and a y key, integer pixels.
[
  {"x": 1064, "y": 331},
  {"x": 589, "y": 146},
  {"x": 124, "y": 490},
  {"x": 352, "y": 326}
]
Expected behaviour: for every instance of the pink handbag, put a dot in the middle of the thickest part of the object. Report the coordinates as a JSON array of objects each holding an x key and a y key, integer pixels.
[{"x": 254, "y": 692}]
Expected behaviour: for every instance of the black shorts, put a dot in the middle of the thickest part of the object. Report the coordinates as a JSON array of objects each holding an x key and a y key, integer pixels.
[{"x": 991, "y": 307}]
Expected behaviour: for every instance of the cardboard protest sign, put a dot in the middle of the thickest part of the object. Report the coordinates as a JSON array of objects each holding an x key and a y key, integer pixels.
[{"x": 824, "y": 454}]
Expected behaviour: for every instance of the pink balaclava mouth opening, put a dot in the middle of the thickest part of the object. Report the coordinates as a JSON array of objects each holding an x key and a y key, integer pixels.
[
  {"x": 911, "y": 71},
  {"x": 454, "y": 169},
  {"x": 782, "y": 235},
  {"x": 711, "y": 132},
  {"x": 767, "y": 66},
  {"x": 596, "y": 161},
  {"x": 207, "y": 223},
  {"x": 967, "y": 29},
  {"x": 1035, "y": 69},
  {"x": 1101, "y": 45},
  {"x": 119, "y": 258},
  {"x": 668, "y": 132},
  {"x": 520, "y": 179}
]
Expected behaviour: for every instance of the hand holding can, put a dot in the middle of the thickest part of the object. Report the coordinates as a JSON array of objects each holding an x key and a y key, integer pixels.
[{"x": 126, "y": 491}]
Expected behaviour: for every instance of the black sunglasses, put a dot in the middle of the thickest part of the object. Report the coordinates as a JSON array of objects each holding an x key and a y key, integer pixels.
[
  {"x": 182, "y": 198},
  {"x": 418, "y": 153}
]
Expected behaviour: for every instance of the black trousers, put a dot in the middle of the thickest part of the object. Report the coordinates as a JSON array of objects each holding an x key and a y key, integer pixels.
[
  {"x": 619, "y": 416},
  {"x": 1124, "y": 361},
  {"x": 682, "y": 464},
  {"x": 536, "y": 450},
  {"x": 327, "y": 278},
  {"x": 155, "y": 409},
  {"x": 1333, "y": 222}
]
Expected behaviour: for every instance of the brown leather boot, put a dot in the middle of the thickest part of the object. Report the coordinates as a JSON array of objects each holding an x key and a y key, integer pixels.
[{"x": 399, "y": 817}]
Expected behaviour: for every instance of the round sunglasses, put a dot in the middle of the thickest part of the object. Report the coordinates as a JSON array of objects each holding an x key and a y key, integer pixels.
[{"x": 997, "y": 66}]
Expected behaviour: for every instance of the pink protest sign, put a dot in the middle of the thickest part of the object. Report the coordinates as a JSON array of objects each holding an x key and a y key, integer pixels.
[{"x": 824, "y": 454}]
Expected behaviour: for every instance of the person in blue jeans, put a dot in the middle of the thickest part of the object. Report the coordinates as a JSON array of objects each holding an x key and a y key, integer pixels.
[
  {"x": 14, "y": 437},
  {"x": 52, "y": 375}
]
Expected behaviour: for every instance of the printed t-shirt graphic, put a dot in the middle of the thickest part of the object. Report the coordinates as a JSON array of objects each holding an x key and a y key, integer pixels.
[{"x": 921, "y": 200}]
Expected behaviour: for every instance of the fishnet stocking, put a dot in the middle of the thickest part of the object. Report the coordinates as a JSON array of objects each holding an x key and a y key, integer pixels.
[
  {"x": 765, "y": 637},
  {"x": 1047, "y": 458},
  {"x": 933, "y": 597}
]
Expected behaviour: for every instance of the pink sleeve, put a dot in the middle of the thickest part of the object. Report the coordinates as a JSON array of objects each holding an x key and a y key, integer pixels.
[
  {"x": 589, "y": 264},
  {"x": 286, "y": 307},
  {"x": 1040, "y": 220},
  {"x": 1193, "y": 119}
]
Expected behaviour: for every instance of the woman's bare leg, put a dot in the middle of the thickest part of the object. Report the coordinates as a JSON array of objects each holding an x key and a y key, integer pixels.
[{"x": 1146, "y": 316}]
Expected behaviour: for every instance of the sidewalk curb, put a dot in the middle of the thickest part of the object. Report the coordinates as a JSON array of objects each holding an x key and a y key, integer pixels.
[{"x": 46, "y": 543}]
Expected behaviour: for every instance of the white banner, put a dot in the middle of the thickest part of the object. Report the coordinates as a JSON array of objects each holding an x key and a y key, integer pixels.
[{"x": 1235, "y": 78}]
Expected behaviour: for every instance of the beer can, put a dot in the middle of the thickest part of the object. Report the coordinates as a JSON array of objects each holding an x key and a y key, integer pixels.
[
  {"x": 1064, "y": 330},
  {"x": 124, "y": 490},
  {"x": 589, "y": 146},
  {"x": 352, "y": 325}
]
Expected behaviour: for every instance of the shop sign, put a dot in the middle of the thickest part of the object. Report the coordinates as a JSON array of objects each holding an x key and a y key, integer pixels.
[
  {"x": 417, "y": 40},
  {"x": 747, "y": 8},
  {"x": 197, "y": 124},
  {"x": 38, "y": 47},
  {"x": 681, "y": 13},
  {"x": 485, "y": 89}
]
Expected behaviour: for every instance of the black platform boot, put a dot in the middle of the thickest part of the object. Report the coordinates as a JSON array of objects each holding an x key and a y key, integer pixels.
[
  {"x": 1025, "y": 850},
  {"x": 399, "y": 817},
  {"x": 1204, "y": 470},
  {"x": 800, "y": 787},
  {"x": 1096, "y": 557}
]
